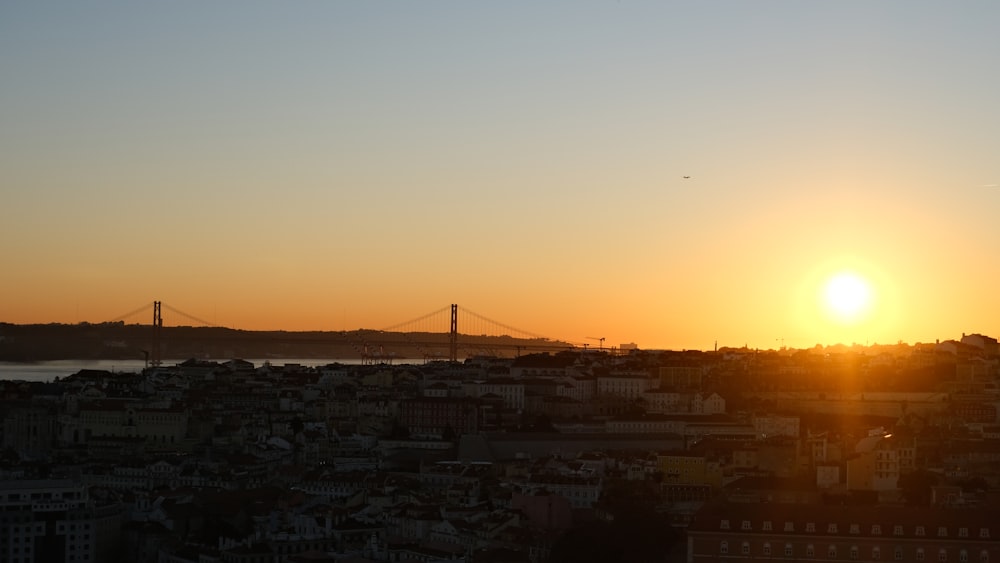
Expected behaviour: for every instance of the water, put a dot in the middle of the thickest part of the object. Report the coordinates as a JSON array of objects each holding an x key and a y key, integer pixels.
[{"x": 48, "y": 371}]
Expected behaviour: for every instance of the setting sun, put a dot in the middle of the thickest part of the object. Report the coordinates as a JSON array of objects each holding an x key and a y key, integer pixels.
[{"x": 847, "y": 297}]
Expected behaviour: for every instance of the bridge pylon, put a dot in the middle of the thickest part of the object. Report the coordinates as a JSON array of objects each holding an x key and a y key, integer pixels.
[
  {"x": 453, "y": 334},
  {"x": 157, "y": 333}
]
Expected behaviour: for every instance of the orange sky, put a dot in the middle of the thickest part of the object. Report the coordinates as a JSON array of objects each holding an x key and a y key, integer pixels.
[{"x": 345, "y": 166}]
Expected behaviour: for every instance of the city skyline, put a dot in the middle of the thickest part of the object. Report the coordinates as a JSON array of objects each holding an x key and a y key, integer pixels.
[{"x": 671, "y": 175}]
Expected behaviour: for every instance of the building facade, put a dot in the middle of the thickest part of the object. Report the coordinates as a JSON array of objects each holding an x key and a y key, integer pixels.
[
  {"x": 56, "y": 521},
  {"x": 724, "y": 531}
]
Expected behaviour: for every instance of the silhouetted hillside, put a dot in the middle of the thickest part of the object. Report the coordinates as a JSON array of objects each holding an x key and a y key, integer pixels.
[{"x": 25, "y": 343}]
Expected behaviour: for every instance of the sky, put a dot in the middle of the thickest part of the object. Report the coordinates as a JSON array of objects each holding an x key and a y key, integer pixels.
[{"x": 341, "y": 165}]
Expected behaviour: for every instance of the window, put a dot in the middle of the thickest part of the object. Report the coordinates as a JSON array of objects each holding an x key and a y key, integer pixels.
[
  {"x": 898, "y": 555},
  {"x": 876, "y": 554},
  {"x": 984, "y": 556},
  {"x": 810, "y": 550},
  {"x": 854, "y": 553},
  {"x": 810, "y": 527},
  {"x": 746, "y": 548},
  {"x": 897, "y": 530},
  {"x": 831, "y": 529},
  {"x": 724, "y": 525},
  {"x": 746, "y": 525},
  {"x": 876, "y": 530},
  {"x": 963, "y": 532},
  {"x": 963, "y": 556},
  {"x": 789, "y": 527},
  {"x": 942, "y": 555},
  {"x": 942, "y": 532},
  {"x": 831, "y": 551},
  {"x": 984, "y": 533},
  {"x": 855, "y": 529},
  {"x": 919, "y": 531},
  {"x": 723, "y": 547},
  {"x": 920, "y": 554},
  {"x": 767, "y": 548},
  {"x": 767, "y": 525},
  {"x": 788, "y": 550}
]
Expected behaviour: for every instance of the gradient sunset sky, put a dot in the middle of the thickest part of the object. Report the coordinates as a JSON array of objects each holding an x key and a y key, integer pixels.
[{"x": 341, "y": 165}]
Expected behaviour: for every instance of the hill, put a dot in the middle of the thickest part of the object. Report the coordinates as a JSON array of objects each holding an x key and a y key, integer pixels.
[{"x": 108, "y": 341}]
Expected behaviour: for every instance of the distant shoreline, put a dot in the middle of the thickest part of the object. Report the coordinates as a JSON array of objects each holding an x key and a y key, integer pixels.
[
  {"x": 118, "y": 341},
  {"x": 47, "y": 371}
]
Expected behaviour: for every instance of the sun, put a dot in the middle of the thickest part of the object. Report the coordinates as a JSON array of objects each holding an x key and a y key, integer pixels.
[{"x": 847, "y": 297}]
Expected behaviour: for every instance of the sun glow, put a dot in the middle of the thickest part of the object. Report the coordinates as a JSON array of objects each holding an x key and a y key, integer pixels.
[{"x": 847, "y": 298}]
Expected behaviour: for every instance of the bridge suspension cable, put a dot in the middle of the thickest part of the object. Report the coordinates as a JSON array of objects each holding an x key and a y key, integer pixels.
[
  {"x": 417, "y": 320},
  {"x": 468, "y": 330},
  {"x": 468, "y": 323},
  {"x": 187, "y": 316},
  {"x": 515, "y": 331},
  {"x": 143, "y": 309},
  {"x": 480, "y": 324}
]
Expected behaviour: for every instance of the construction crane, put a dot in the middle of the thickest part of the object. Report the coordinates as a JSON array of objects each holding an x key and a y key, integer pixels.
[{"x": 601, "y": 339}]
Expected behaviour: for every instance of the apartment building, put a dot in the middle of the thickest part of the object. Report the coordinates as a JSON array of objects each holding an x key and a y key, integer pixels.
[
  {"x": 56, "y": 521},
  {"x": 726, "y": 531}
]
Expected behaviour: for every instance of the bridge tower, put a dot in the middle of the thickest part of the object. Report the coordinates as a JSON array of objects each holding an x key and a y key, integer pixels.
[
  {"x": 157, "y": 333},
  {"x": 453, "y": 334}
]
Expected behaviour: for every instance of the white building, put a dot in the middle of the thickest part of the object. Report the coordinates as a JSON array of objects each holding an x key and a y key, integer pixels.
[
  {"x": 511, "y": 390},
  {"x": 626, "y": 385},
  {"x": 707, "y": 404},
  {"x": 659, "y": 401}
]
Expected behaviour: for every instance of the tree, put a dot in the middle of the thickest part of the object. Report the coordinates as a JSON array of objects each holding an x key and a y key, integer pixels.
[
  {"x": 916, "y": 486},
  {"x": 398, "y": 431},
  {"x": 542, "y": 424},
  {"x": 974, "y": 484},
  {"x": 638, "y": 536}
]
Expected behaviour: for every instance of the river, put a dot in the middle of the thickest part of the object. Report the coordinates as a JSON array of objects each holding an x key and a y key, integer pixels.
[{"x": 48, "y": 371}]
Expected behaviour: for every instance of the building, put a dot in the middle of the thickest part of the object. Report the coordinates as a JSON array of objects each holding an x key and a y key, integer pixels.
[
  {"x": 115, "y": 418},
  {"x": 985, "y": 343},
  {"x": 627, "y": 385},
  {"x": 580, "y": 491},
  {"x": 708, "y": 403},
  {"x": 30, "y": 430},
  {"x": 878, "y": 462},
  {"x": 57, "y": 521},
  {"x": 437, "y": 416},
  {"x": 769, "y": 425},
  {"x": 689, "y": 469},
  {"x": 511, "y": 390},
  {"x": 723, "y": 531},
  {"x": 544, "y": 509},
  {"x": 681, "y": 377}
]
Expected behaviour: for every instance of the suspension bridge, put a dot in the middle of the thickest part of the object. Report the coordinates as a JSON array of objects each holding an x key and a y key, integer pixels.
[{"x": 444, "y": 334}]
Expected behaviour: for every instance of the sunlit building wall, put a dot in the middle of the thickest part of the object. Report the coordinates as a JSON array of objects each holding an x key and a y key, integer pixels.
[
  {"x": 689, "y": 470},
  {"x": 625, "y": 385}
]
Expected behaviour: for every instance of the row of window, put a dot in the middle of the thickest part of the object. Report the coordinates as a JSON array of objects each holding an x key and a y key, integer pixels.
[
  {"x": 20, "y": 497},
  {"x": 876, "y": 529},
  {"x": 854, "y": 552}
]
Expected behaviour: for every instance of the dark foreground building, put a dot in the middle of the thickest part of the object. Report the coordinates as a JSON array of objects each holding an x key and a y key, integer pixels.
[
  {"x": 57, "y": 521},
  {"x": 725, "y": 531}
]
